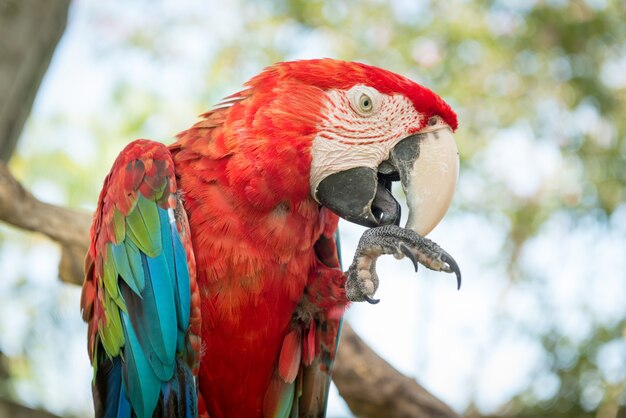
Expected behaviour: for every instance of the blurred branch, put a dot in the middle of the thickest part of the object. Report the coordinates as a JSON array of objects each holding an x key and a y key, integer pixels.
[
  {"x": 68, "y": 227},
  {"x": 370, "y": 386},
  {"x": 14, "y": 410},
  {"x": 29, "y": 32},
  {"x": 373, "y": 388}
]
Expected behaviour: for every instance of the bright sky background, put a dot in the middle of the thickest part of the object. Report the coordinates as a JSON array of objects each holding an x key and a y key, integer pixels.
[{"x": 455, "y": 343}]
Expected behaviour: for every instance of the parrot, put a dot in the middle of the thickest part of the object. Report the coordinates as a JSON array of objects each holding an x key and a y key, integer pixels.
[{"x": 213, "y": 283}]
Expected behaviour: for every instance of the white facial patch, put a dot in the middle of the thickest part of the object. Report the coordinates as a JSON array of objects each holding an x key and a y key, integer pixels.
[{"x": 355, "y": 132}]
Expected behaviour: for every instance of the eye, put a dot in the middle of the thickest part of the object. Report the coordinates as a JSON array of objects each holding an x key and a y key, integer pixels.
[
  {"x": 364, "y": 100},
  {"x": 432, "y": 121},
  {"x": 365, "y": 103}
]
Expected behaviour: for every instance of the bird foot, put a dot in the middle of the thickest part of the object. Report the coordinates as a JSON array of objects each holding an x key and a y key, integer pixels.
[{"x": 400, "y": 242}]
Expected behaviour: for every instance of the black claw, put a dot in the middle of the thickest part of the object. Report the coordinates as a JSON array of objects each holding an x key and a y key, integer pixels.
[
  {"x": 371, "y": 300},
  {"x": 407, "y": 252},
  {"x": 454, "y": 267}
]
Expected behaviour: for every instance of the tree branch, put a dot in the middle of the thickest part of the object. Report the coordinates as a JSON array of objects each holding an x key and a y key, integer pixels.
[
  {"x": 370, "y": 386},
  {"x": 9, "y": 408},
  {"x": 68, "y": 227},
  {"x": 29, "y": 32}
]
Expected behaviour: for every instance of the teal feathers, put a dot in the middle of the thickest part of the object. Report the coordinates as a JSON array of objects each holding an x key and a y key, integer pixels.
[
  {"x": 157, "y": 300},
  {"x": 141, "y": 384},
  {"x": 142, "y": 308}
]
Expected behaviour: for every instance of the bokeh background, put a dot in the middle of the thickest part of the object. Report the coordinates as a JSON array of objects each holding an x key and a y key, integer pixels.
[{"x": 538, "y": 224}]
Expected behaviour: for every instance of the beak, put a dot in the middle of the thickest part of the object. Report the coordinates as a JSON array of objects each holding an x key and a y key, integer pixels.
[{"x": 427, "y": 165}]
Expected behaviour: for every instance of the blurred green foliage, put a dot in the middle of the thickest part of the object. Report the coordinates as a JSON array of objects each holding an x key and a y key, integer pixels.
[{"x": 552, "y": 72}]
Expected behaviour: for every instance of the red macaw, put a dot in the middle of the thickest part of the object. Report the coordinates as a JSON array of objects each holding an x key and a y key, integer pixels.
[{"x": 213, "y": 284}]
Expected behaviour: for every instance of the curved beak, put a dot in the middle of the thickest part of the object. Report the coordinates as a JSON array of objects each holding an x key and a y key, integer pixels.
[{"x": 427, "y": 165}]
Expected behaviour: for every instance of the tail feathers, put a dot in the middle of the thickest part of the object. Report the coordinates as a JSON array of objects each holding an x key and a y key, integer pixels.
[
  {"x": 177, "y": 397},
  {"x": 108, "y": 393}
]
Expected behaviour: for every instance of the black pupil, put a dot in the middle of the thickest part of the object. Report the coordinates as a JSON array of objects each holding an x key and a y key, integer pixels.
[{"x": 366, "y": 103}]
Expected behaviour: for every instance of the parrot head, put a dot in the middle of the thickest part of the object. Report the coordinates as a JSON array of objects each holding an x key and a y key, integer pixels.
[{"x": 365, "y": 128}]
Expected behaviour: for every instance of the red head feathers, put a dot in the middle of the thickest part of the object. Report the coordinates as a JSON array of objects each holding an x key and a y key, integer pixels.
[{"x": 328, "y": 74}]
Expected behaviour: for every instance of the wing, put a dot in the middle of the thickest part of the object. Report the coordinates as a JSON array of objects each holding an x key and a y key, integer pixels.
[
  {"x": 140, "y": 297},
  {"x": 301, "y": 382}
]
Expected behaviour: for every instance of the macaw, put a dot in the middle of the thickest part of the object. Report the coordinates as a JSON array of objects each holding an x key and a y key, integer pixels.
[{"x": 213, "y": 284}]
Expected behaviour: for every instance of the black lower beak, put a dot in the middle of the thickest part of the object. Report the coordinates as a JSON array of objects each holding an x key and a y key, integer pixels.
[
  {"x": 360, "y": 195},
  {"x": 385, "y": 207}
]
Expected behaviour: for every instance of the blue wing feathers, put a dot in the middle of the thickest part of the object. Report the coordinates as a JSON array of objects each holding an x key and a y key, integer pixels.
[
  {"x": 182, "y": 282},
  {"x": 191, "y": 395},
  {"x": 168, "y": 235},
  {"x": 156, "y": 294},
  {"x": 141, "y": 382},
  {"x": 179, "y": 272},
  {"x": 164, "y": 322},
  {"x": 178, "y": 397},
  {"x": 166, "y": 240},
  {"x": 147, "y": 324},
  {"x": 139, "y": 300},
  {"x": 114, "y": 402},
  {"x": 124, "y": 409}
]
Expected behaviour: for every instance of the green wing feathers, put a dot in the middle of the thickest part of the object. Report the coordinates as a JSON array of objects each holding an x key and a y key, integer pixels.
[{"x": 137, "y": 296}]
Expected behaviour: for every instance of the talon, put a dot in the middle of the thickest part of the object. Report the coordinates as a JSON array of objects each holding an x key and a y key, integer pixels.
[
  {"x": 407, "y": 252},
  {"x": 371, "y": 300},
  {"x": 453, "y": 267}
]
